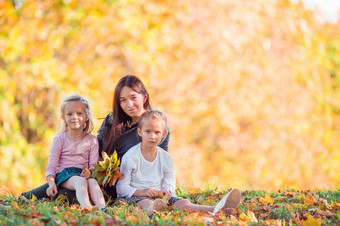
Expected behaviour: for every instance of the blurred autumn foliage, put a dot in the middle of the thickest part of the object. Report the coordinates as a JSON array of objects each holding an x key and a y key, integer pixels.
[{"x": 251, "y": 88}]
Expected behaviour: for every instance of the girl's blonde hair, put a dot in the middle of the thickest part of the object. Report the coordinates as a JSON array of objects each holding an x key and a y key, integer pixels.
[
  {"x": 89, "y": 122},
  {"x": 154, "y": 114}
]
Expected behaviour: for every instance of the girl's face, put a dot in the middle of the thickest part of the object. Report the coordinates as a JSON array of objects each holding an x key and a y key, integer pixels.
[
  {"x": 152, "y": 132},
  {"x": 132, "y": 103},
  {"x": 74, "y": 115}
]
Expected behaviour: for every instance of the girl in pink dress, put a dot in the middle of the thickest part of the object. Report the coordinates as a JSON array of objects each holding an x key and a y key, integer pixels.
[{"x": 73, "y": 153}]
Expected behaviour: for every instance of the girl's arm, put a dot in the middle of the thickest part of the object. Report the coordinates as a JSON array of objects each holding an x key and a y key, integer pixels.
[
  {"x": 169, "y": 180},
  {"x": 94, "y": 153},
  {"x": 123, "y": 185},
  {"x": 53, "y": 161},
  {"x": 52, "y": 187},
  {"x": 93, "y": 158}
]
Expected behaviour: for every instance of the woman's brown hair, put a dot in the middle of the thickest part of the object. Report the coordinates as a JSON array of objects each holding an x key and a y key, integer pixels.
[{"x": 120, "y": 119}]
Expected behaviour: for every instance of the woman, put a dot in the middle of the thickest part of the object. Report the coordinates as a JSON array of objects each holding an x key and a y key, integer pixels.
[{"x": 119, "y": 129}]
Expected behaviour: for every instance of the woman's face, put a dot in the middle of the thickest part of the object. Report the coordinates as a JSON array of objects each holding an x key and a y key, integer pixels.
[{"x": 132, "y": 103}]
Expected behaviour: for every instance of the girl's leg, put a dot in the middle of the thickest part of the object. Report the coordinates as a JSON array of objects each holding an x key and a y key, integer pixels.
[
  {"x": 227, "y": 204},
  {"x": 78, "y": 184},
  {"x": 150, "y": 205},
  {"x": 186, "y": 204},
  {"x": 96, "y": 193}
]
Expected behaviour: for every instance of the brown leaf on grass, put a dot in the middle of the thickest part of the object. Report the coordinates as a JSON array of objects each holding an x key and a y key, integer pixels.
[
  {"x": 309, "y": 200},
  {"x": 36, "y": 214},
  {"x": 122, "y": 203},
  {"x": 325, "y": 213},
  {"x": 296, "y": 217},
  {"x": 323, "y": 201}
]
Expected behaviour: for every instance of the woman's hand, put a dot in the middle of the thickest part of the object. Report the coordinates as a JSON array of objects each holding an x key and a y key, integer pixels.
[
  {"x": 86, "y": 173},
  {"x": 166, "y": 194},
  {"x": 52, "y": 190}
]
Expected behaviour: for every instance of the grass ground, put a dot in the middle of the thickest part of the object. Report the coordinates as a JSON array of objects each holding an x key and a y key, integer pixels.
[{"x": 287, "y": 207}]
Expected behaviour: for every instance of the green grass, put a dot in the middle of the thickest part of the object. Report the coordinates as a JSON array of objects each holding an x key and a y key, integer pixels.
[{"x": 288, "y": 207}]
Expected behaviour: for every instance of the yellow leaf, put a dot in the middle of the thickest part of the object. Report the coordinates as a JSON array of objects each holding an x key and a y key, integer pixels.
[
  {"x": 267, "y": 199},
  {"x": 15, "y": 205},
  {"x": 33, "y": 198},
  {"x": 132, "y": 219},
  {"x": 251, "y": 215},
  {"x": 311, "y": 221}
]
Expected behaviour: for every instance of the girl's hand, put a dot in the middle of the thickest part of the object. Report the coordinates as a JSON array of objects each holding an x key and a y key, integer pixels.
[
  {"x": 52, "y": 190},
  {"x": 86, "y": 173},
  {"x": 167, "y": 194},
  {"x": 151, "y": 192}
]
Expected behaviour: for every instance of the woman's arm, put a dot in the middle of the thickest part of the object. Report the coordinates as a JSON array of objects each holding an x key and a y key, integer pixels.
[{"x": 104, "y": 130}]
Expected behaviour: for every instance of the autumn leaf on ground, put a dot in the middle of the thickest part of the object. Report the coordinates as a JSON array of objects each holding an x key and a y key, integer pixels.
[
  {"x": 309, "y": 200},
  {"x": 15, "y": 205},
  {"x": 296, "y": 217},
  {"x": 132, "y": 219},
  {"x": 107, "y": 171},
  {"x": 267, "y": 199},
  {"x": 311, "y": 221},
  {"x": 250, "y": 217}
]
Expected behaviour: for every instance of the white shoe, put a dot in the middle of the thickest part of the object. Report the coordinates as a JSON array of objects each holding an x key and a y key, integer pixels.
[
  {"x": 229, "y": 202},
  {"x": 158, "y": 204}
]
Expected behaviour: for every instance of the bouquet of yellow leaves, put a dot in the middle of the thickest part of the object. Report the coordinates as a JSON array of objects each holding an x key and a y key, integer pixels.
[{"x": 107, "y": 171}]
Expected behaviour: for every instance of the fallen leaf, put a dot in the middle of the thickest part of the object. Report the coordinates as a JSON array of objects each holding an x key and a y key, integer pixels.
[
  {"x": 132, "y": 219},
  {"x": 309, "y": 200},
  {"x": 311, "y": 221},
  {"x": 267, "y": 199},
  {"x": 296, "y": 217},
  {"x": 250, "y": 217},
  {"x": 189, "y": 211},
  {"x": 15, "y": 205},
  {"x": 325, "y": 213}
]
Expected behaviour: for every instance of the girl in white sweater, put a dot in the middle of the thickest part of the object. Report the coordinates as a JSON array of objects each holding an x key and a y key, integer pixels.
[{"x": 149, "y": 172}]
